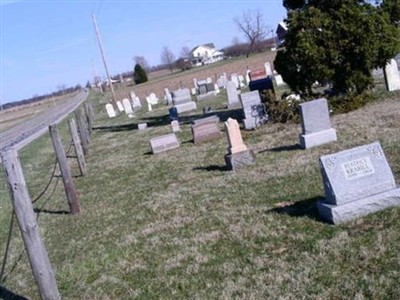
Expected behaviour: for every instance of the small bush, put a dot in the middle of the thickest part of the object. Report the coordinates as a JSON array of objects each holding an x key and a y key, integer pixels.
[
  {"x": 281, "y": 111},
  {"x": 346, "y": 103}
]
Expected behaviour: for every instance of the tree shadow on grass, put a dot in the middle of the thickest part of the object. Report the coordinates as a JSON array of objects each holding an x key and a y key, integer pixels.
[
  {"x": 212, "y": 168},
  {"x": 6, "y": 294},
  {"x": 282, "y": 148},
  {"x": 304, "y": 208}
]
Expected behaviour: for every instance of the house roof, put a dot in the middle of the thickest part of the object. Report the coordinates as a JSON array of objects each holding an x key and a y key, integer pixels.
[{"x": 209, "y": 45}]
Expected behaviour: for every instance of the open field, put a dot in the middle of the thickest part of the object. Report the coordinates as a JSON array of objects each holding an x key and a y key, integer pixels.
[
  {"x": 17, "y": 115},
  {"x": 177, "y": 225}
]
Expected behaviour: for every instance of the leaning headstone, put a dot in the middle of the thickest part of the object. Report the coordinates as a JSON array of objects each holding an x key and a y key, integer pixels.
[
  {"x": 238, "y": 154},
  {"x": 357, "y": 182},
  {"x": 120, "y": 106},
  {"x": 110, "y": 110},
  {"x": 233, "y": 98},
  {"x": 315, "y": 124},
  {"x": 127, "y": 107},
  {"x": 163, "y": 143},
  {"x": 206, "y": 130},
  {"x": 142, "y": 126},
  {"x": 392, "y": 76},
  {"x": 175, "y": 126},
  {"x": 253, "y": 110}
]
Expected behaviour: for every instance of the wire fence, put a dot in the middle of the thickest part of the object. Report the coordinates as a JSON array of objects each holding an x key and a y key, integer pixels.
[{"x": 3, "y": 275}]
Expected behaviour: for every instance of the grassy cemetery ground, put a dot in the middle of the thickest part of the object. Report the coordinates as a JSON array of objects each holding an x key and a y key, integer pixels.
[{"x": 177, "y": 225}]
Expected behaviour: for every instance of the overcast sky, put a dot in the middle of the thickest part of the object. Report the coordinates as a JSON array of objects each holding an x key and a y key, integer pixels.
[{"x": 45, "y": 44}]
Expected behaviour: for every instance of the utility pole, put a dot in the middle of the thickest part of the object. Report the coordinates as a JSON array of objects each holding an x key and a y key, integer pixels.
[{"x": 104, "y": 60}]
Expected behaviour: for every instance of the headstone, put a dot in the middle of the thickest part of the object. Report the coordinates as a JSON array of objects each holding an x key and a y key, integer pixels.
[
  {"x": 120, "y": 106},
  {"x": 193, "y": 90},
  {"x": 209, "y": 80},
  {"x": 173, "y": 113},
  {"x": 210, "y": 87},
  {"x": 175, "y": 126},
  {"x": 235, "y": 80},
  {"x": 233, "y": 98},
  {"x": 234, "y": 136},
  {"x": 127, "y": 106},
  {"x": 238, "y": 154},
  {"x": 268, "y": 69},
  {"x": 142, "y": 126},
  {"x": 202, "y": 89},
  {"x": 121, "y": 79},
  {"x": 222, "y": 81},
  {"x": 392, "y": 76},
  {"x": 278, "y": 80},
  {"x": 181, "y": 96},
  {"x": 248, "y": 77},
  {"x": 136, "y": 104},
  {"x": 152, "y": 99},
  {"x": 163, "y": 143},
  {"x": 132, "y": 95},
  {"x": 216, "y": 87},
  {"x": 261, "y": 84},
  {"x": 315, "y": 124},
  {"x": 149, "y": 107},
  {"x": 253, "y": 110},
  {"x": 357, "y": 182},
  {"x": 195, "y": 83},
  {"x": 110, "y": 110},
  {"x": 204, "y": 131},
  {"x": 168, "y": 96},
  {"x": 212, "y": 118},
  {"x": 241, "y": 81},
  {"x": 257, "y": 74}
]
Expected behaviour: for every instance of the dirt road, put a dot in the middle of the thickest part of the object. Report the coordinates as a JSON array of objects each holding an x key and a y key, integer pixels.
[{"x": 19, "y": 136}]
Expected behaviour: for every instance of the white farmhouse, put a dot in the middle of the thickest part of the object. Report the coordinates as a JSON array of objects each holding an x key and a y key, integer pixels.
[{"x": 205, "y": 54}]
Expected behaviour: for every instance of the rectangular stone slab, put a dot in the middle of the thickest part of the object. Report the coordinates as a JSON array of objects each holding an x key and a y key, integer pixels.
[
  {"x": 356, "y": 173},
  {"x": 188, "y": 106},
  {"x": 164, "y": 143},
  {"x": 239, "y": 160},
  {"x": 337, "y": 214},
  {"x": 205, "y": 132},
  {"x": 315, "y": 116}
]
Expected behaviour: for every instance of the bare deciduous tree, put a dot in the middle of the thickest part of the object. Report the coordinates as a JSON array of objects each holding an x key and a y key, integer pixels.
[
  {"x": 185, "y": 52},
  {"x": 168, "y": 58},
  {"x": 251, "y": 24},
  {"x": 140, "y": 60}
]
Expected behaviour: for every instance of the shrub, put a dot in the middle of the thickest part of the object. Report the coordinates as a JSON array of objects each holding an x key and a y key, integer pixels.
[{"x": 139, "y": 74}]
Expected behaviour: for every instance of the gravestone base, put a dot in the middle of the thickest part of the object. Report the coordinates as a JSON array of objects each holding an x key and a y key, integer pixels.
[
  {"x": 337, "y": 214},
  {"x": 318, "y": 138},
  {"x": 239, "y": 160}
]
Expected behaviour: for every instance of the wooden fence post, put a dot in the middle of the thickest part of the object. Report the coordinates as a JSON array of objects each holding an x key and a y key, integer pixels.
[
  {"x": 88, "y": 117},
  {"x": 78, "y": 147},
  {"x": 29, "y": 227},
  {"x": 69, "y": 185},
  {"x": 82, "y": 131}
]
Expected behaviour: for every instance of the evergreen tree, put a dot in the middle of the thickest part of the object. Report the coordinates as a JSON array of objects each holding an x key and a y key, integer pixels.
[
  {"x": 139, "y": 74},
  {"x": 337, "y": 42}
]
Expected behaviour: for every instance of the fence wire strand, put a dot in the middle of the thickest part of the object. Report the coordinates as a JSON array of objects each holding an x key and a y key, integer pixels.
[{"x": 3, "y": 277}]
